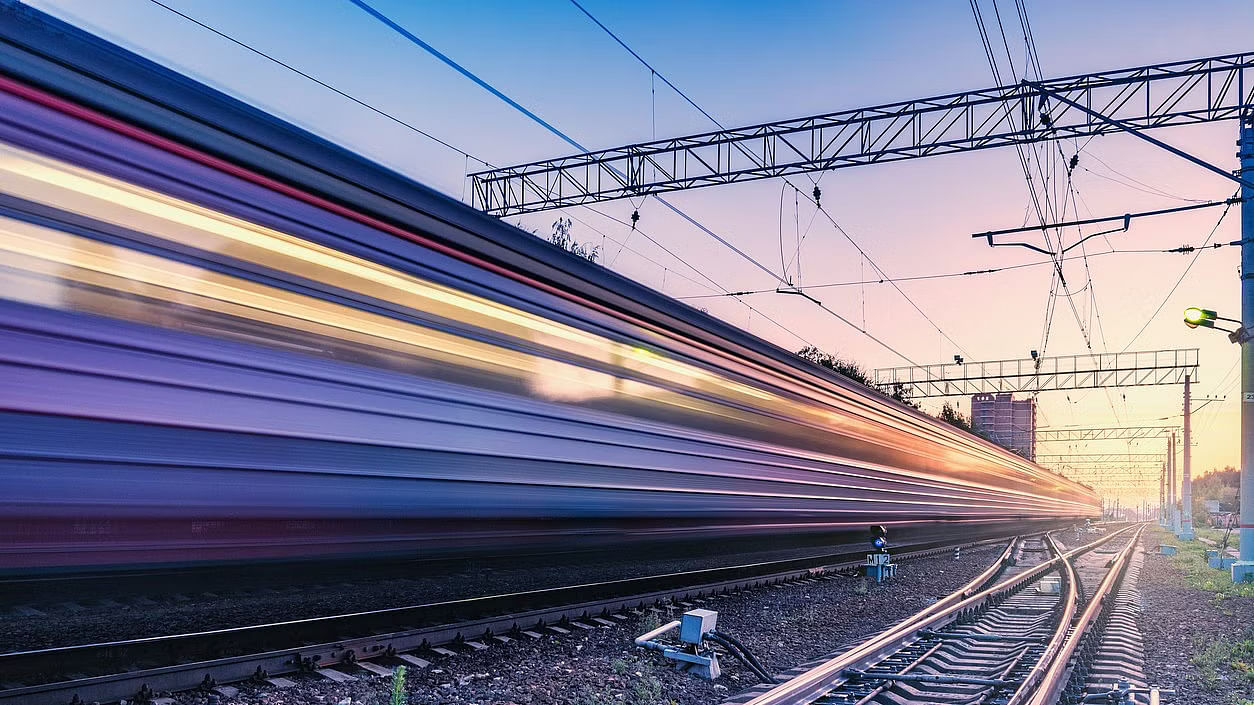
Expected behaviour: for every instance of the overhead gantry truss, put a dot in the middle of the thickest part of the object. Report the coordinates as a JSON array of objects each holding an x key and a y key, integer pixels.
[
  {"x": 1111, "y": 433},
  {"x": 1065, "y": 459},
  {"x": 1090, "y": 371},
  {"x": 1162, "y": 95}
]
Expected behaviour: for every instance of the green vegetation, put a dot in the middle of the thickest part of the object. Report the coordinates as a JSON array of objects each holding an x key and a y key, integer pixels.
[
  {"x": 1217, "y": 485},
  {"x": 635, "y": 685},
  {"x": 398, "y": 686},
  {"x": 1217, "y": 658},
  {"x": 649, "y": 621},
  {"x": 853, "y": 371},
  {"x": 850, "y": 370},
  {"x": 562, "y": 237},
  {"x": 1190, "y": 560},
  {"x": 1217, "y": 535}
]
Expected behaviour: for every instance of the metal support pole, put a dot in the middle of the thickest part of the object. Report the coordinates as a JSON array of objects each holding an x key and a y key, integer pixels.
[
  {"x": 1186, "y": 485},
  {"x": 1162, "y": 496},
  {"x": 1172, "y": 513},
  {"x": 1243, "y": 569}
]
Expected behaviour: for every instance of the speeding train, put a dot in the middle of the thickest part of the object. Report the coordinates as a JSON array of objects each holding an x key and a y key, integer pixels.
[{"x": 225, "y": 339}]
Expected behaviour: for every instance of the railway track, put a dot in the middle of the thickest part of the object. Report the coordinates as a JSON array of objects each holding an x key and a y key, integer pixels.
[
  {"x": 1045, "y": 625},
  {"x": 137, "y": 669}
]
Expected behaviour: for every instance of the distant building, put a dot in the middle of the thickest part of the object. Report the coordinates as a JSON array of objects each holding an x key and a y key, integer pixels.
[{"x": 1008, "y": 422}]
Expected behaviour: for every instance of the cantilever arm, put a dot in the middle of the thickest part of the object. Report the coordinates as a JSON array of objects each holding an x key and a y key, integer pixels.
[{"x": 1133, "y": 131}]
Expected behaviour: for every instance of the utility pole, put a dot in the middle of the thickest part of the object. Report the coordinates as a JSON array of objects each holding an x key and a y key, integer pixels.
[
  {"x": 1186, "y": 485},
  {"x": 1173, "y": 522},
  {"x": 1243, "y": 569},
  {"x": 1162, "y": 496}
]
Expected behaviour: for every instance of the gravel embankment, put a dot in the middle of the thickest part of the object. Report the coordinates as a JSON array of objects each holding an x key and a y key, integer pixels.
[
  {"x": 782, "y": 626},
  {"x": 71, "y": 612},
  {"x": 1198, "y": 627}
]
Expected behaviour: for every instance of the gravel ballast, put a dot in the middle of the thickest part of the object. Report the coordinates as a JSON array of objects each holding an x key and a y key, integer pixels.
[
  {"x": 1197, "y": 626},
  {"x": 783, "y": 626},
  {"x": 50, "y": 613}
]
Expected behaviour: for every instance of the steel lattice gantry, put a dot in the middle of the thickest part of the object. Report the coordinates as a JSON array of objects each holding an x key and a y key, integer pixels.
[
  {"x": 1062, "y": 459},
  {"x": 1089, "y": 371},
  {"x": 1112, "y": 433},
  {"x": 1178, "y": 93}
]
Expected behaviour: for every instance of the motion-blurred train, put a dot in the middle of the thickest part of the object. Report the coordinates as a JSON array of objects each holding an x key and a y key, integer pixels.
[{"x": 223, "y": 338}]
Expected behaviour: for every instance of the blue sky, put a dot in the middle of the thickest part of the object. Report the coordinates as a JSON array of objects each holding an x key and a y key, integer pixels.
[{"x": 751, "y": 62}]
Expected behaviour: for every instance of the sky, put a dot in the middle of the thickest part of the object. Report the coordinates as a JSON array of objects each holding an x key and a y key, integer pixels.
[{"x": 745, "y": 63}]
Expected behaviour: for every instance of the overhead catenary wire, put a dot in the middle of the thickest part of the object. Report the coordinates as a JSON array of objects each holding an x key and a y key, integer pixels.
[
  {"x": 324, "y": 84},
  {"x": 1147, "y": 188},
  {"x": 535, "y": 118},
  {"x": 465, "y": 154},
  {"x": 1057, "y": 278},
  {"x": 797, "y": 192},
  {"x": 1183, "y": 274},
  {"x": 413, "y": 38},
  {"x": 1185, "y": 249}
]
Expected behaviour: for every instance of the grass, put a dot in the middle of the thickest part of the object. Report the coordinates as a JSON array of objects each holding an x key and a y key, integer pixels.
[
  {"x": 1235, "y": 659},
  {"x": 1230, "y": 660},
  {"x": 638, "y": 685},
  {"x": 1217, "y": 535},
  {"x": 1190, "y": 560}
]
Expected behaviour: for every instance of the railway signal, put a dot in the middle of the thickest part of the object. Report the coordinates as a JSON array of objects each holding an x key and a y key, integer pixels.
[
  {"x": 879, "y": 539},
  {"x": 879, "y": 564}
]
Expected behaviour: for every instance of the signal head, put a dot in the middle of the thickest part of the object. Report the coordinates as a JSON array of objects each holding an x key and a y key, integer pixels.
[{"x": 879, "y": 538}]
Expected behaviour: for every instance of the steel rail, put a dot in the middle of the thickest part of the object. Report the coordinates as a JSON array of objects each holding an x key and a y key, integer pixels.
[
  {"x": 1058, "y": 675},
  {"x": 967, "y": 590},
  {"x": 1059, "y": 639},
  {"x": 810, "y": 685},
  {"x": 186, "y": 661}
]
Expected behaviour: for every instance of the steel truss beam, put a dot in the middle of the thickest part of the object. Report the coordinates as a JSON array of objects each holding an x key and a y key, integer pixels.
[
  {"x": 1094, "y": 370},
  {"x": 1112, "y": 433},
  {"x": 1162, "y": 95},
  {"x": 1130, "y": 467},
  {"x": 1097, "y": 458}
]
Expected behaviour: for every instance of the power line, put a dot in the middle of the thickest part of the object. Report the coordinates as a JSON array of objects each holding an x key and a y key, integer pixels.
[
  {"x": 1057, "y": 278},
  {"x": 1152, "y": 189},
  {"x": 647, "y": 65},
  {"x": 464, "y": 71},
  {"x": 428, "y": 135},
  {"x": 509, "y": 101},
  {"x": 1183, "y": 274},
  {"x": 324, "y": 84},
  {"x": 890, "y": 281},
  {"x": 539, "y": 121},
  {"x": 796, "y": 190},
  {"x": 623, "y": 245},
  {"x": 977, "y": 272}
]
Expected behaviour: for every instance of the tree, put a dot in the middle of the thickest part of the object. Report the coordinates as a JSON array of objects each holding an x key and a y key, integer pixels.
[
  {"x": 1222, "y": 486},
  {"x": 562, "y": 237},
  {"x": 950, "y": 415},
  {"x": 850, "y": 370}
]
